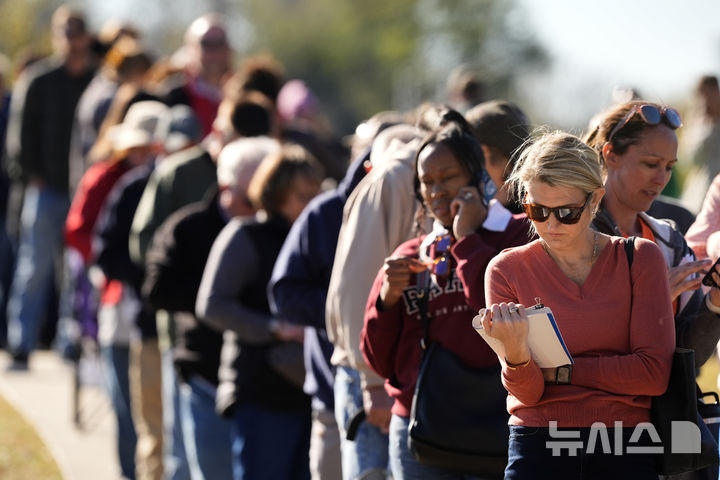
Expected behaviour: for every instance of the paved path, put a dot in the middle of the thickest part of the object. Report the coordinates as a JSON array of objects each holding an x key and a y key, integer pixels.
[{"x": 43, "y": 395}]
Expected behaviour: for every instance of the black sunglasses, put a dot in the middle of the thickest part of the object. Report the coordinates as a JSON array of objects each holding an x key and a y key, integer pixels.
[
  {"x": 565, "y": 214},
  {"x": 213, "y": 42},
  {"x": 651, "y": 115}
]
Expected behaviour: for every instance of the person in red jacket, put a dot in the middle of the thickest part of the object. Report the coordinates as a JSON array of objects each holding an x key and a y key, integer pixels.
[
  {"x": 468, "y": 232},
  {"x": 132, "y": 145}
]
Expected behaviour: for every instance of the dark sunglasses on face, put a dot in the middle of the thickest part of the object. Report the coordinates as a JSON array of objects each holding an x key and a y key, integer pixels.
[
  {"x": 566, "y": 214},
  {"x": 213, "y": 42},
  {"x": 651, "y": 115}
]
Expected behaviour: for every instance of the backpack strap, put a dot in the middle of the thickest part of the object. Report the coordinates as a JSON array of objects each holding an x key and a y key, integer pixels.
[
  {"x": 629, "y": 245},
  {"x": 423, "y": 300}
]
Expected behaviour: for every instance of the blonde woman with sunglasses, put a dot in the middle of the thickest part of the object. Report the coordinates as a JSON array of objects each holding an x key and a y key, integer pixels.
[
  {"x": 637, "y": 147},
  {"x": 615, "y": 319}
]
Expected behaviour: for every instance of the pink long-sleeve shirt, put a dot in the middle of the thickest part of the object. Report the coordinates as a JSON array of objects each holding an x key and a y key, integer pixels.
[
  {"x": 619, "y": 332},
  {"x": 702, "y": 236}
]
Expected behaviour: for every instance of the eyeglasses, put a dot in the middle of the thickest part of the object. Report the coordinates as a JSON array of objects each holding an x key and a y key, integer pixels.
[
  {"x": 209, "y": 42},
  {"x": 566, "y": 214},
  {"x": 439, "y": 250},
  {"x": 651, "y": 115}
]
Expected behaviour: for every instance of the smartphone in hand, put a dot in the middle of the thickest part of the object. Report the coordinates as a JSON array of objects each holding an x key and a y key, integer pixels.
[
  {"x": 488, "y": 187},
  {"x": 707, "y": 279}
]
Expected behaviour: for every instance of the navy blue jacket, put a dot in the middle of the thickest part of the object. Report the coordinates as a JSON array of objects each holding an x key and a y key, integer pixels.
[
  {"x": 112, "y": 231},
  {"x": 298, "y": 288}
]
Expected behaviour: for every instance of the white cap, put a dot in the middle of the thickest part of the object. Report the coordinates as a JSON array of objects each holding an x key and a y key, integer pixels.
[{"x": 239, "y": 159}]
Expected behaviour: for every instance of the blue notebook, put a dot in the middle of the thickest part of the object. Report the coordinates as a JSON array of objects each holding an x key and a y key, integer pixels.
[{"x": 546, "y": 344}]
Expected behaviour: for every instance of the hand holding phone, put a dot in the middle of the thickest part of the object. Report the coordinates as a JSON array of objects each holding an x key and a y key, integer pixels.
[
  {"x": 708, "y": 280},
  {"x": 469, "y": 210},
  {"x": 687, "y": 276}
]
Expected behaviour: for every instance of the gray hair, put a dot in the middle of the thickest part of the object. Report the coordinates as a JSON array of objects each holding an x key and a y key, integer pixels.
[{"x": 239, "y": 159}]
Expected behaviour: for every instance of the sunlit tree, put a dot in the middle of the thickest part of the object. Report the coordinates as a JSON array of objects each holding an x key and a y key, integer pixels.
[
  {"x": 362, "y": 57},
  {"x": 358, "y": 57}
]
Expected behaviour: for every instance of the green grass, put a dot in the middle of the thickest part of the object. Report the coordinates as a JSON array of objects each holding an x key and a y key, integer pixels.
[{"x": 22, "y": 453}]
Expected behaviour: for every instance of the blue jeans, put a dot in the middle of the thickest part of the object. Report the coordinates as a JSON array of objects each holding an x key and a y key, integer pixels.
[
  {"x": 269, "y": 444},
  {"x": 208, "y": 444},
  {"x": 369, "y": 451},
  {"x": 530, "y": 456},
  {"x": 403, "y": 463},
  {"x": 7, "y": 261},
  {"x": 41, "y": 226},
  {"x": 175, "y": 464},
  {"x": 116, "y": 360}
]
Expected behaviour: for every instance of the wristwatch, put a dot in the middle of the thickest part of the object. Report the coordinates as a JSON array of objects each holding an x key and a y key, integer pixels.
[{"x": 563, "y": 374}]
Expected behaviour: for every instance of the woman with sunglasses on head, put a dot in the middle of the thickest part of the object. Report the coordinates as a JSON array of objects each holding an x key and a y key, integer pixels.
[
  {"x": 615, "y": 319},
  {"x": 637, "y": 146},
  {"x": 470, "y": 228}
]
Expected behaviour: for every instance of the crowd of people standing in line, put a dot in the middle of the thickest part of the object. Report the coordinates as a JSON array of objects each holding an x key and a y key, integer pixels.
[{"x": 252, "y": 281}]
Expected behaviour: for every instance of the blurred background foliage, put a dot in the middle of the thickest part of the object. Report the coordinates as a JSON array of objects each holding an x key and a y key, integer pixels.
[
  {"x": 24, "y": 26},
  {"x": 361, "y": 58},
  {"x": 358, "y": 57}
]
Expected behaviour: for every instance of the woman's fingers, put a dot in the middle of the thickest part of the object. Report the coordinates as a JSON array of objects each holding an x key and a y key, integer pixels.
[
  {"x": 681, "y": 272},
  {"x": 469, "y": 212},
  {"x": 397, "y": 274},
  {"x": 399, "y": 269}
]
